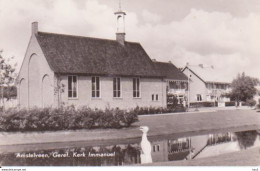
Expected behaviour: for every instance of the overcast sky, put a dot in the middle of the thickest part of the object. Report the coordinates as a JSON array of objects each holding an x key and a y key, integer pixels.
[{"x": 223, "y": 33}]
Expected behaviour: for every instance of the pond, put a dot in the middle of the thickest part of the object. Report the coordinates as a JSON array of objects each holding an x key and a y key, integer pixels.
[{"x": 126, "y": 153}]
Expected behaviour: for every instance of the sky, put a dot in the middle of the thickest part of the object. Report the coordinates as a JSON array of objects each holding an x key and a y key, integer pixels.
[{"x": 225, "y": 34}]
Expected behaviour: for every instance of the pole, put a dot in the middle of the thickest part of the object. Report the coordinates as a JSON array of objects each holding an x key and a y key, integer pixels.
[
  {"x": 190, "y": 147},
  {"x": 214, "y": 92},
  {"x": 188, "y": 99},
  {"x": 2, "y": 97}
]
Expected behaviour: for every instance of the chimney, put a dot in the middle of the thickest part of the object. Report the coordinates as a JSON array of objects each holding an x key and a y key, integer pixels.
[
  {"x": 120, "y": 37},
  {"x": 35, "y": 28}
]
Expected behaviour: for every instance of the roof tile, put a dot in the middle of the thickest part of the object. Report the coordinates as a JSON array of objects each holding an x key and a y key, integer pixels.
[
  {"x": 84, "y": 55},
  {"x": 170, "y": 71}
]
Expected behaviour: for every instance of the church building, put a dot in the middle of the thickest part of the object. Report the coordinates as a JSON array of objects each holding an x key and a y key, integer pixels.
[{"x": 61, "y": 69}]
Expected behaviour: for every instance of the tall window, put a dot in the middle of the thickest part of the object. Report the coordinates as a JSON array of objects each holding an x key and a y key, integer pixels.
[
  {"x": 136, "y": 87},
  {"x": 199, "y": 97},
  {"x": 95, "y": 87},
  {"x": 116, "y": 87},
  {"x": 72, "y": 86}
]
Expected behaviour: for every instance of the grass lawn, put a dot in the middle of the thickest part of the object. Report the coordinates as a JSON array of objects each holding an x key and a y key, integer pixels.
[{"x": 197, "y": 122}]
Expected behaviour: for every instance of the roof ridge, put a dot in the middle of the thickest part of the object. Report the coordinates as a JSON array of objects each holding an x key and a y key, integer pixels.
[{"x": 78, "y": 36}]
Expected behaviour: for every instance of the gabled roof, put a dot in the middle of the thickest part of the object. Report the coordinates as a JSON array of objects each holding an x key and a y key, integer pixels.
[
  {"x": 68, "y": 54},
  {"x": 208, "y": 74},
  {"x": 170, "y": 71}
]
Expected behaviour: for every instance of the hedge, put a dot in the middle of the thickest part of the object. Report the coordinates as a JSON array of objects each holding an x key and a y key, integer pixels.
[
  {"x": 160, "y": 110},
  {"x": 230, "y": 103},
  {"x": 69, "y": 118},
  {"x": 249, "y": 102},
  {"x": 49, "y": 119},
  {"x": 203, "y": 104}
]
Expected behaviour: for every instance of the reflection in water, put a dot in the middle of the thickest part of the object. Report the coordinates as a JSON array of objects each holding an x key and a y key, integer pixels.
[
  {"x": 246, "y": 139},
  {"x": 219, "y": 138},
  {"x": 146, "y": 156},
  {"x": 170, "y": 149},
  {"x": 179, "y": 149}
]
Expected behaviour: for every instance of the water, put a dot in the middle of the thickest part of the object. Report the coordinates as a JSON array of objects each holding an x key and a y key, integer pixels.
[{"x": 128, "y": 153}]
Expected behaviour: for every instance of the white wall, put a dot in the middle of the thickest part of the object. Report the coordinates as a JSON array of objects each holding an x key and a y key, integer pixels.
[
  {"x": 197, "y": 86},
  {"x": 148, "y": 87},
  {"x": 33, "y": 70}
]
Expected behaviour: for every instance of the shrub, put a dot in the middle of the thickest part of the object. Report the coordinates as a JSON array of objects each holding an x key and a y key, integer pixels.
[
  {"x": 128, "y": 118},
  {"x": 203, "y": 104},
  {"x": 172, "y": 101},
  {"x": 159, "y": 110},
  {"x": 230, "y": 103},
  {"x": 250, "y": 102},
  {"x": 68, "y": 118},
  {"x": 84, "y": 118}
]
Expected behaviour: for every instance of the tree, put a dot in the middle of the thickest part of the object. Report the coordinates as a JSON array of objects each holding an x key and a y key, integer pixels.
[
  {"x": 243, "y": 88},
  {"x": 9, "y": 92},
  {"x": 246, "y": 139},
  {"x": 7, "y": 75}
]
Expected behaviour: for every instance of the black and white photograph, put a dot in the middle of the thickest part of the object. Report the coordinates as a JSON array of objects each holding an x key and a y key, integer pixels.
[{"x": 131, "y": 84}]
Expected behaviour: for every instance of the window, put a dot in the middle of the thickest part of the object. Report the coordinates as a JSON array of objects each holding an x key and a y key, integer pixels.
[
  {"x": 72, "y": 86},
  {"x": 179, "y": 145},
  {"x": 178, "y": 85},
  {"x": 199, "y": 98},
  {"x": 155, "y": 97},
  {"x": 95, "y": 87},
  {"x": 156, "y": 148},
  {"x": 116, "y": 87},
  {"x": 136, "y": 87}
]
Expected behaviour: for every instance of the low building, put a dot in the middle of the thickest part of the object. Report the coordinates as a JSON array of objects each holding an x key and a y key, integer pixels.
[
  {"x": 205, "y": 85},
  {"x": 177, "y": 82}
]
